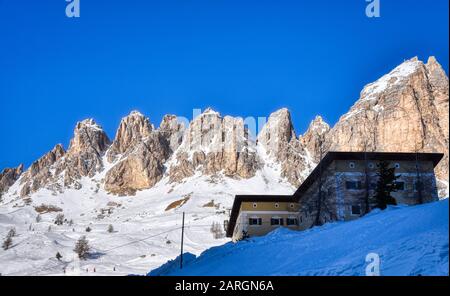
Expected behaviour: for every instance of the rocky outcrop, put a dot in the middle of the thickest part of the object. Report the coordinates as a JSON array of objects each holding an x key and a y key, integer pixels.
[
  {"x": 132, "y": 130},
  {"x": 314, "y": 137},
  {"x": 58, "y": 168},
  {"x": 84, "y": 156},
  {"x": 142, "y": 152},
  {"x": 405, "y": 110},
  {"x": 39, "y": 174},
  {"x": 8, "y": 177},
  {"x": 280, "y": 143},
  {"x": 172, "y": 131},
  {"x": 214, "y": 144}
]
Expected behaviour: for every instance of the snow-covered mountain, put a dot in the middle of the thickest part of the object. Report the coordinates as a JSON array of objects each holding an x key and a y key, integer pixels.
[
  {"x": 142, "y": 180},
  {"x": 407, "y": 241}
]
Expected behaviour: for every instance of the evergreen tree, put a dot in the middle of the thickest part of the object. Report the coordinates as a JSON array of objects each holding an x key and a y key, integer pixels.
[
  {"x": 58, "y": 256},
  {"x": 82, "y": 248},
  {"x": 110, "y": 228},
  {"x": 7, "y": 243},
  {"x": 59, "y": 219},
  {"x": 386, "y": 184},
  {"x": 12, "y": 232}
]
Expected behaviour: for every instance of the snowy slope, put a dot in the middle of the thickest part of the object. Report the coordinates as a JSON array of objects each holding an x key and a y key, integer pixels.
[
  {"x": 409, "y": 241},
  {"x": 143, "y": 227}
]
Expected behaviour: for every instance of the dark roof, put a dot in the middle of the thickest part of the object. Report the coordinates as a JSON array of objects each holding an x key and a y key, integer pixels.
[
  {"x": 326, "y": 160},
  {"x": 253, "y": 198},
  {"x": 388, "y": 156}
]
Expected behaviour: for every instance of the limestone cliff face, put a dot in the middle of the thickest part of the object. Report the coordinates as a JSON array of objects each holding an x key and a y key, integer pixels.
[
  {"x": 85, "y": 153},
  {"x": 314, "y": 136},
  {"x": 280, "y": 143},
  {"x": 173, "y": 131},
  {"x": 132, "y": 130},
  {"x": 59, "y": 169},
  {"x": 8, "y": 177},
  {"x": 142, "y": 152},
  {"x": 214, "y": 144},
  {"x": 405, "y": 110},
  {"x": 39, "y": 174}
]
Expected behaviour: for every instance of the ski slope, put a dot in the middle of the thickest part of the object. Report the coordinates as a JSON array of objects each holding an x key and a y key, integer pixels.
[
  {"x": 408, "y": 240},
  {"x": 147, "y": 231}
]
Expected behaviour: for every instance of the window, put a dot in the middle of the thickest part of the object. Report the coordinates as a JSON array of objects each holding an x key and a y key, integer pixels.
[
  {"x": 292, "y": 221},
  {"x": 351, "y": 165},
  {"x": 301, "y": 219},
  {"x": 400, "y": 185},
  {"x": 255, "y": 205},
  {"x": 276, "y": 221},
  {"x": 353, "y": 185},
  {"x": 277, "y": 205},
  {"x": 356, "y": 210},
  {"x": 371, "y": 165},
  {"x": 397, "y": 165},
  {"x": 254, "y": 221}
]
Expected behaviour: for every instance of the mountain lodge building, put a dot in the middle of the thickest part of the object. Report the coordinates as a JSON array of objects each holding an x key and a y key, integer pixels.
[{"x": 346, "y": 183}]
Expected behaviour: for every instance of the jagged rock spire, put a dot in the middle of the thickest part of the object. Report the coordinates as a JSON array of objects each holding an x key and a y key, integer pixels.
[
  {"x": 132, "y": 130},
  {"x": 9, "y": 176}
]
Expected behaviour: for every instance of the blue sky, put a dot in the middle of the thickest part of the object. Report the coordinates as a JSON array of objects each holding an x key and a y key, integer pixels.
[{"x": 245, "y": 58}]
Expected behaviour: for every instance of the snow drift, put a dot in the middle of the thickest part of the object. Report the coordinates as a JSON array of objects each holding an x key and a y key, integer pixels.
[{"x": 409, "y": 241}]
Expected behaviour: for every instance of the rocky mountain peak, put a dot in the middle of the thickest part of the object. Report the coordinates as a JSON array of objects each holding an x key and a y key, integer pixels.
[
  {"x": 84, "y": 156},
  {"x": 277, "y": 132},
  {"x": 436, "y": 75},
  {"x": 88, "y": 137},
  {"x": 39, "y": 173},
  {"x": 318, "y": 125},
  {"x": 9, "y": 176},
  {"x": 132, "y": 130},
  {"x": 405, "y": 110},
  {"x": 314, "y": 136},
  {"x": 172, "y": 130},
  {"x": 215, "y": 144}
]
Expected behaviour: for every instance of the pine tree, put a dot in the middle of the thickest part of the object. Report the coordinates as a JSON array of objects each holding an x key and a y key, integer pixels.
[
  {"x": 58, "y": 256},
  {"x": 59, "y": 219},
  {"x": 82, "y": 247},
  {"x": 110, "y": 228},
  {"x": 11, "y": 233},
  {"x": 386, "y": 184},
  {"x": 7, "y": 243}
]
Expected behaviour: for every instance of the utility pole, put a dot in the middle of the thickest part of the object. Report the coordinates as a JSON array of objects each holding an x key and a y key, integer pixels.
[{"x": 182, "y": 240}]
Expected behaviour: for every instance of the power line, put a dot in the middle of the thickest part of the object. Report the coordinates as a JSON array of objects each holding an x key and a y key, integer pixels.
[{"x": 140, "y": 240}]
